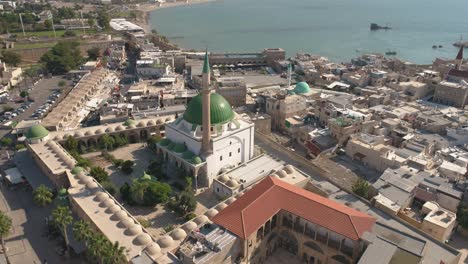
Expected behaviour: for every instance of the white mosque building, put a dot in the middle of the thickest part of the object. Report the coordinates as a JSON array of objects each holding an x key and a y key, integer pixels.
[{"x": 209, "y": 138}]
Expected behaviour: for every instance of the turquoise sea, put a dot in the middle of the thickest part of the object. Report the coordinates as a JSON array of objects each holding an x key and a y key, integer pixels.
[{"x": 338, "y": 29}]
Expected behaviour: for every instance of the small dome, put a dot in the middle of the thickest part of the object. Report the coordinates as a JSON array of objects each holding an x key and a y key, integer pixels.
[
  {"x": 211, "y": 212},
  {"x": 221, "y": 111},
  {"x": 120, "y": 216},
  {"x": 113, "y": 209},
  {"x": 86, "y": 179},
  {"x": 78, "y": 134},
  {"x": 109, "y": 129},
  {"x": 188, "y": 155},
  {"x": 151, "y": 123},
  {"x": 63, "y": 192},
  {"x": 238, "y": 195},
  {"x": 274, "y": 175},
  {"x": 99, "y": 131},
  {"x": 223, "y": 178},
  {"x": 171, "y": 146},
  {"x": 37, "y": 132},
  {"x": 291, "y": 92},
  {"x": 189, "y": 226},
  {"x": 153, "y": 249},
  {"x": 101, "y": 197},
  {"x": 89, "y": 133},
  {"x": 165, "y": 241},
  {"x": 165, "y": 142},
  {"x": 180, "y": 148},
  {"x": 119, "y": 128},
  {"x": 230, "y": 200},
  {"x": 134, "y": 230},
  {"x": 178, "y": 234},
  {"x": 131, "y": 126},
  {"x": 232, "y": 183},
  {"x": 58, "y": 137},
  {"x": 141, "y": 124},
  {"x": 142, "y": 239},
  {"x": 282, "y": 174},
  {"x": 126, "y": 222},
  {"x": 91, "y": 185},
  {"x": 107, "y": 203},
  {"x": 289, "y": 169},
  {"x": 196, "y": 160},
  {"x": 129, "y": 122},
  {"x": 221, "y": 206},
  {"x": 77, "y": 169},
  {"x": 302, "y": 88},
  {"x": 201, "y": 219}
]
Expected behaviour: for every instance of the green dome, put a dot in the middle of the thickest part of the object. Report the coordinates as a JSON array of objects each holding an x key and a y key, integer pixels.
[
  {"x": 77, "y": 169},
  {"x": 37, "y": 132},
  {"x": 180, "y": 147},
  {"x": 196, "y": 160},
  {"x": 220, "y": 109},
  {"x": 129, "y": 122},
  {"x": 146, "y": 177},
  {"x": 188, "y": 155},
  {"x": 171, "y": 146},
  {"x": 62, "y": 192},
  {"x": 165, "y": 142},
  {"x": 301, "y": 88},
  {"x": 291, "y": 92}
]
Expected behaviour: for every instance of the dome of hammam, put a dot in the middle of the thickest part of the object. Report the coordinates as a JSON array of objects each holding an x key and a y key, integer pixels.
[
  {"x": 129, "y": 122},
  {"x": 180, "y": 148},
  {"x": 188, "y": 155},
  {"x": 220, "y": 109},
  {"x": 301, "y": 88},
  {"x": 37, "y": 132},
  {"x": 77, "y": 169},
  {"x": 196, "y": 160}
]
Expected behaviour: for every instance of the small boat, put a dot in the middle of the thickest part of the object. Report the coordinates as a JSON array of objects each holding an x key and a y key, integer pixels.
[
  {"x": 434, "y": 46},
  {"x": 440, "y": 46},
  {"x": 390, "y": 53}
]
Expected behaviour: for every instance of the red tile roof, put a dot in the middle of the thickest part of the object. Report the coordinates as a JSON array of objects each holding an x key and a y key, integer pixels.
[
  {"x": 458, "y": 73},
  {"x": 245, "y": 216}
]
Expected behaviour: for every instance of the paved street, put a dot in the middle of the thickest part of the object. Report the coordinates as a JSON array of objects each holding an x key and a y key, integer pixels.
[{"x": 27, "y": 244}]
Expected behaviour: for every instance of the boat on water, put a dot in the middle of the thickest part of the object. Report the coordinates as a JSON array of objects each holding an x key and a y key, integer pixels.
[
  {"x": 434, "y": 46},
  {"x": 391, "y": 53}
]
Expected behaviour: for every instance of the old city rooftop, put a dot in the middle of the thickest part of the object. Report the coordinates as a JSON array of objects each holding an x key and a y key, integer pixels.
[{"x": 254, "y": 208}]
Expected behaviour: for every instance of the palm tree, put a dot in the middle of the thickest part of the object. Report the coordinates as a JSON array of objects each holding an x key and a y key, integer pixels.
[
  {"x": 95, "y": 247},
  {"x": 62, "y": 218},
  {"x": 42, "y": 196},
  {"x": 82, "y": 231},
  {"x": 5, "y": 229},
  {"x": 116, "y": 253}
]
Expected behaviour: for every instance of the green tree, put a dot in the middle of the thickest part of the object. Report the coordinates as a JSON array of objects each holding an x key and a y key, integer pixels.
[
  {"x": 91, "y": 22},
  {"x": 42, "y": 196},
  {"x": 462, "y": 215},
  {"x": 71, "y": 144},
  {"x": 153, "y": 140},
  {"x": 5, "y": 230},
  {"x": 94, "y": 53},
  {"x": 106, "y": 142},
  {"x": 103, "y": 19},
  {"x": 24, "y": 94},
  {"x": 125, "y": 193},
  {"x": 69, "y": 33},
  {"x": 20, "y": 146},
  {"x": 62, "y": 83},
  {"x": 48, "y": 24},
  {"x": 149, "y": 193},
  {"x": 6, "y": 141},
  {"x": 62, "y": 218},
  {"x": 11, "y": 57},
  {"x": 127, "y": 166},
  {"x": 184, "y": 203},
  {"x": 99, "y": 174},
  {"x": 361, "y": 187},
  {"x": 82, "y": 231},
  {"x": 63, "y": 57}
]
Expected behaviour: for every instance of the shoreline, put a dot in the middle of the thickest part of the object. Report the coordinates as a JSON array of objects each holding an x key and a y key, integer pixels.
[{"x": 146, "y": 9}]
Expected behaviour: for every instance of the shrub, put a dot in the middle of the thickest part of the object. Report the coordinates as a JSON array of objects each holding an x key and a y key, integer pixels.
[
  {"x": 168, "y": 228},
  {"x": 144, "y": 222},
  {"x": 184, "y": 203},
  {"x": 361, "y": 187},
  {"x": 190, "y": 216},
  {"x": 118, "y": 162},
  {"x": 69, "y": 33},
  {"x": 99, "y": 174},
  {"x": 127, "y": 166},
  {"x": 20, "y": 146},
  {"x": 6, "y": 141},
  {"x": 110, "y": 187},
  {"x": 125, "y": 193}
]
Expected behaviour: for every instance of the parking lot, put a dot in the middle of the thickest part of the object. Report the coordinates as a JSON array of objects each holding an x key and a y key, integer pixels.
[{"x": 40, "y": 93}]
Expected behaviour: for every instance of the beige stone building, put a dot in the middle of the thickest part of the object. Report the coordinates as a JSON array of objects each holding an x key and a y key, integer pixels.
[
  {"x": 233, "y": 89},
  {"x": 283, "y": 107},
  {"x": 452, "y": 94}
]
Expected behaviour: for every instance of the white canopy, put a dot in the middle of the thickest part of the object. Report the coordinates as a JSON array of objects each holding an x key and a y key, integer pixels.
[{"x": 14, "y": 176}]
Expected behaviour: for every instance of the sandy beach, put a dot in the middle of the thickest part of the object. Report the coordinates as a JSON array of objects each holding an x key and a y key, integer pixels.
[{"x": 146, "y": 9}]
